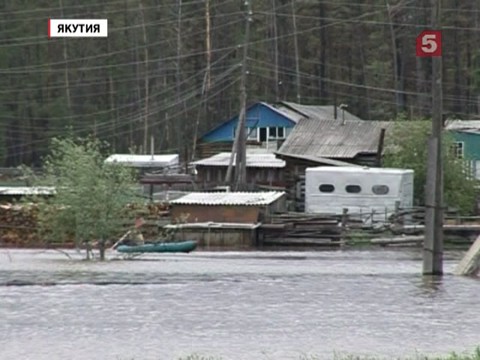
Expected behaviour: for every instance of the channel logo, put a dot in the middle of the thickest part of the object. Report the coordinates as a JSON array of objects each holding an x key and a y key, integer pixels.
[{"x": 83, "y": 28}]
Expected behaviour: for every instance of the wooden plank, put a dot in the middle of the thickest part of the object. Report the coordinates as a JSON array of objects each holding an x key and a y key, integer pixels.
[
  {"x": 470, "y": 263},
  {"x": 303, "y": 241},
  {"x": 398, "y": 240}
]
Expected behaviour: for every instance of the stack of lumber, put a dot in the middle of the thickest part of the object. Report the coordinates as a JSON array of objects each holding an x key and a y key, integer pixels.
[
  {"x": 18, "y": 225},
  {"x": 301, "y": 225}
]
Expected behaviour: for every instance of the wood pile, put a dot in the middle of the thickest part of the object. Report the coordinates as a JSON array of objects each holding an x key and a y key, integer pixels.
[
  {"x": 301, "y": 225},
  {"x": 18, "y": 225}
]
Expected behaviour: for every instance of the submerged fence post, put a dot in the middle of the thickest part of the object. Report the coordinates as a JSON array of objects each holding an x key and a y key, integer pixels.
[{"x": 344, "y": 224}]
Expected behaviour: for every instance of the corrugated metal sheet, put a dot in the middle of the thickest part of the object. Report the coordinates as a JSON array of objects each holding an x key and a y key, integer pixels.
[
  {"x": 321, "y": 112},
  {"x": 229, "y": 198},
  {"x": 471, "y": 125},
  {"x": 258, "y": 160},
  {"x": 164, "y": 160},
  {"x": 331, "y": 139},
  {"x": 26, "y": 190}
]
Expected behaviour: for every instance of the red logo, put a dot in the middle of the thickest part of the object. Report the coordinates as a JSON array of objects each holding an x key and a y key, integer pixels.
[{"x": 429, "y": 43}]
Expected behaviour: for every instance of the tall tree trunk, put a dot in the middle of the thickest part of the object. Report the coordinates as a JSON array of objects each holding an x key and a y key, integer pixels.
[
  {"x": 295, "y": 44},
  {"x": 275, "y": 49},
  {"x": 208, "y": 45},
  {"x": 113, "y": 115},
  {"x": 398, "y": 95},
  {"x": 65, "y": 59},
  {"x": 146, "y": 83},
  {"x": 179, "y": 119}
]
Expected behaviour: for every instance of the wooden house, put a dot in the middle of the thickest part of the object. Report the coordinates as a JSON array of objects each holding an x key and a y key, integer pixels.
[
  {"x": 329, "y": 143},
  {"x": 224, "y": 219},
  {"x": 262, "y": 169},
  {"x": 268, "y": 125}
]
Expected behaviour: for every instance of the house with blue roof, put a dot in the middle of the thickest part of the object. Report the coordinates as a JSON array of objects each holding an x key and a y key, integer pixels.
[
  {"x": 264, "y": 122},
  {"x": 267, "y": 125}
]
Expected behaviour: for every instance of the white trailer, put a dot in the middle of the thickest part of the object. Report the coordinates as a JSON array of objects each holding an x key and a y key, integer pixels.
[{"x": 363, "y": 191}]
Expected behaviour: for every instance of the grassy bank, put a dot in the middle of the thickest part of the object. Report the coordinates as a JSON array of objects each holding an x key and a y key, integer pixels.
[{"x": 474, "y": 355}]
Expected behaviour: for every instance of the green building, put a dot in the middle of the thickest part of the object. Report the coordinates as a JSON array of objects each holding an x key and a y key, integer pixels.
[{"x": 466, "y": 134}]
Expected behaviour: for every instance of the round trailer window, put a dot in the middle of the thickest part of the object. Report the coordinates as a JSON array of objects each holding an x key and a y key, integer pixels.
[
  {"x": 353, "y": 189},
  {"x": 326, "y": 188},
  {"x": 380, "y": 189}
]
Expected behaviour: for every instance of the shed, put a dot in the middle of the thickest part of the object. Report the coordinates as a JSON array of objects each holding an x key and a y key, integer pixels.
[
  {"x": 262, "y": 169},
  {"x": 360, "y": 190},
  {"x": 230, "y": 207},
  {"x": 224, "y": 219}
]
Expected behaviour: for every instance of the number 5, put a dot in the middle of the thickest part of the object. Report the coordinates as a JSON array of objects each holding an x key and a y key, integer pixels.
[{"x": 429, "y": 43}]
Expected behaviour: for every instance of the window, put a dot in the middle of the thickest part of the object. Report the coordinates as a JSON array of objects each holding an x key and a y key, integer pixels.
[
  {"x": 326, "y": 188},
  {"x": 380, "y": 189},
  {"x": 272, "y": 132},
  {"x": 281, "y": 133},
  {"x": 263, "y": 134},
  {"x": 353, "y": 189},
  {"x": 458, "y": 149},
  {"x": 252, "y": 133}
]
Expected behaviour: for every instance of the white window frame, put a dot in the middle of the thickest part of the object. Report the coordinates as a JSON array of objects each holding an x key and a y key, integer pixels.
[{"x": 459, "y": 149}]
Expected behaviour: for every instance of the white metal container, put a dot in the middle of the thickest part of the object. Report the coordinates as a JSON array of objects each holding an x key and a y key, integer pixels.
[{"x": 363, "y": 191}]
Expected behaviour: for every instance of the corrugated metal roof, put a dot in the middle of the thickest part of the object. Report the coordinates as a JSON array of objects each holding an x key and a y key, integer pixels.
[
  {"x": 26, "y": 190},
  {"x": 133, "y": 160},
  {"x": 229, "y": 198},
  {"x": 321, "y": 112},
  {"x": 473, "y": 125},
  {"x": 259, "y": 160},
  {"x": 331, "y": 139}
]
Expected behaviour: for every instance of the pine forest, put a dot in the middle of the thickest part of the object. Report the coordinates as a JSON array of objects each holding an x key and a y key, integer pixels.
[{"x": 171, "y": 69}]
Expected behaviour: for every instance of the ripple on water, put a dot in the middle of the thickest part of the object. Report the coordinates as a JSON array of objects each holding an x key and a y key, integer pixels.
[{"x": 239, "y": 306}]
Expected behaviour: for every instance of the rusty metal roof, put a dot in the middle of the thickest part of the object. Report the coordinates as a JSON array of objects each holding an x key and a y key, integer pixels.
[
  {"x": 229, "y": 198},
  {"x": 258, "y": 160},
  {"x": 331, "y": 139},
  {"x": 321, "y": 112}
]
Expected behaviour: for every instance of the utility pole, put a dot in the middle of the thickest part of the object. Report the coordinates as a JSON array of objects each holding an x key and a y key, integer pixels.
[
  {"x": 239, "y": 145},
  {"x": 433, "y": 245}
]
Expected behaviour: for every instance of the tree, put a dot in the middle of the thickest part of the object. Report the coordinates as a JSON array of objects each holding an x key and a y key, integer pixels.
[
  {"x": 91, "y": 196},
  {"x": 406, "y": 147}
]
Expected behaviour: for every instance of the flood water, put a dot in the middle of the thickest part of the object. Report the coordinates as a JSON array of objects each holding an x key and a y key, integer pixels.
[{"x": 233, "y": 305}]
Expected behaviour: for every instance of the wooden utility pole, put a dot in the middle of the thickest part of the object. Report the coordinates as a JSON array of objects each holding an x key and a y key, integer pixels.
[
  {"x": 433, "y": 245},
  {"x": 239, "y": 146}
]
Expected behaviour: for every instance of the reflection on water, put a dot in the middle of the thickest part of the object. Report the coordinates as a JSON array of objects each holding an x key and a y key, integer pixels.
[{"x": 250, "y": 305}]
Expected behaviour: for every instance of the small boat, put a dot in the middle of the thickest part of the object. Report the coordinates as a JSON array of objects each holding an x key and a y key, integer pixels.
[{"x": 160, "y": 247}]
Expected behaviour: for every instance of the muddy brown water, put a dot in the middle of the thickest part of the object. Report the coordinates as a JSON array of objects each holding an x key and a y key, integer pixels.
[{"x": 233, "y": 305}]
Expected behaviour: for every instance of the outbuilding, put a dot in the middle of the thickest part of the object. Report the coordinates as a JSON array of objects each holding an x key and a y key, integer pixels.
[
  {"x": 361, "y": 190},
  {"x": 224, "y": 219}
]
